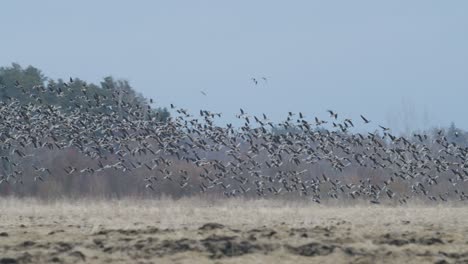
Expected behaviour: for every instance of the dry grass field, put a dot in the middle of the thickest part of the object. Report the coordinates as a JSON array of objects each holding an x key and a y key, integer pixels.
[{"x": 228, "y": 231}]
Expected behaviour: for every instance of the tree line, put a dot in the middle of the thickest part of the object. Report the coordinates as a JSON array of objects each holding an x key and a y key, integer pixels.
[{"x": 25, "y": 84}]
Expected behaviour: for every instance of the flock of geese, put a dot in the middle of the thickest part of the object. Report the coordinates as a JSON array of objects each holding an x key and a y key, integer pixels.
[{"x": 317, "y": 159}]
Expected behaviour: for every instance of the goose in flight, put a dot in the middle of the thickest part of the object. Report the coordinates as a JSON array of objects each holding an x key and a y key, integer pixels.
[
  {"x": 333, "y": 114},
  {"x": 367, "y": 121},
  {"x": 384, "y": 128}
]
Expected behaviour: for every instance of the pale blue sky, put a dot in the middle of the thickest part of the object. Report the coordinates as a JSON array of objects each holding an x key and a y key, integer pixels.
[{"x": 370, "y": 57}]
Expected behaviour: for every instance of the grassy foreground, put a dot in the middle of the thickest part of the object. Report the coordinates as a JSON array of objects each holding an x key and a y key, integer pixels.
[{"x": 228, "y": 231}]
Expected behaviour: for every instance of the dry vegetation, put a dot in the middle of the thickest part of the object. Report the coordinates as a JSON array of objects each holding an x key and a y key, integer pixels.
[{"x": 228, "y": 231}]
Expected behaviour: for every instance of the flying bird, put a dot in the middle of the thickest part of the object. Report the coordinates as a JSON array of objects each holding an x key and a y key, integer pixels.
[
  {"x": 384, "y": 128},
  {"x": 365, "y": 119},
  {"x": 333, "y": 114},
  {"x": 349, "y": 122}
]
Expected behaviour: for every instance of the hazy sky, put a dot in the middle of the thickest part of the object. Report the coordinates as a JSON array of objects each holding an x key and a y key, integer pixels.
[{"x": 384, "y": 59}]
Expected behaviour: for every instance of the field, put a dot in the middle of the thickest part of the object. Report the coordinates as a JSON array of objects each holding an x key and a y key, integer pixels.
[{"x": 228, "y": 231}]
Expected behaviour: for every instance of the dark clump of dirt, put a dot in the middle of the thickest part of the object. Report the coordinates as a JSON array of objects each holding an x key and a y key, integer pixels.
[
  {"x": 430, "y": 241},
  {"x": 130, "y": 232},
  {"x": 28, "y": 243},
  {"x": 78, "y": 254},
  {"x": 169, "y": 247},
  {"x": 454, "y": 255},
  {"x": 312, "y": 249},
  {"x": 63, "y": 246},
  {"x": 263, "y": 232},
  {"x": 8, "y": 261},
  {"x": 55, "y": 232},
  {"x": 150, "y": 246},
  {"x": 401, "y": 240},
  {"x": 25, "y": 258},
  {"x": 127, "y": 232},
  {"x": 442, "y": 261},
  {"x": 395, "y": 242},
  {"x": 229, "y": 246},
  {"x": 211, "y": 226},
  {"x": 354, "y": 251},
  {"x": 55, "y": 260}
]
